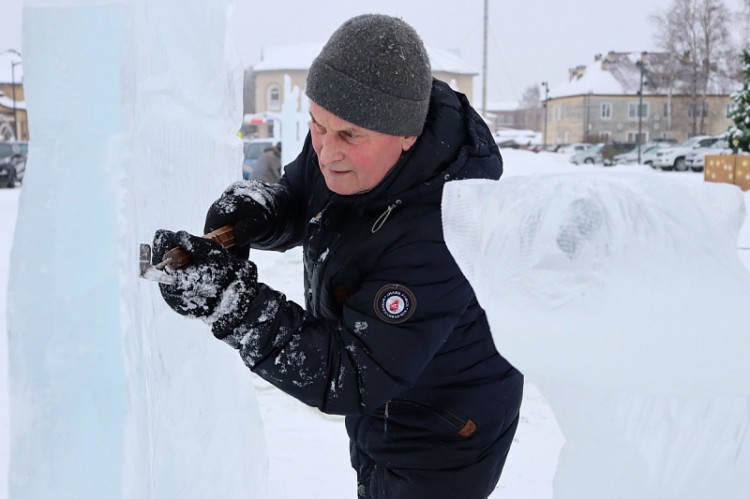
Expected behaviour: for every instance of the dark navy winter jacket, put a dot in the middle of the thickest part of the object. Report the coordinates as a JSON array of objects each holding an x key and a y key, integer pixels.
[{"x": 392, "y": 335}]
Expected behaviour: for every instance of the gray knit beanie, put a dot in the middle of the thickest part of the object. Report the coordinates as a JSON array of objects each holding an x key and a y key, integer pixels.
[{"x": 374, "y": 72}]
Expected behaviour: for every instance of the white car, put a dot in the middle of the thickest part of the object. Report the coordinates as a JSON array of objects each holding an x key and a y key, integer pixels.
[
  {"x": 673, "y": 158},
  {"x": 575, "y": 148},
  {"x": 695, "y": 160},
  {"x": 589, "y": 156},
  {"x": 648, "y": 154}
]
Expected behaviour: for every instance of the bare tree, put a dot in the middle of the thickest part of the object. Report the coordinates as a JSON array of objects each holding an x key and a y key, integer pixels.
[
  {"x": 531, "y": 98},
  {"x": 530, "y": 109},
  {"x": 714, "y": 19},
  {"x": 745, "y": 14},
  {"x": 695, "y": 34}
]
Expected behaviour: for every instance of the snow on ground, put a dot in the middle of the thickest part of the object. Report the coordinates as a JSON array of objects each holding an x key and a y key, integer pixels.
[
  {"x": 8, "y": 210},
  {"x": 308, "y": 451}
]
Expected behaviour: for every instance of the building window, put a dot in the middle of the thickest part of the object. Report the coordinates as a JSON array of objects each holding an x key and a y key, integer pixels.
[
  {"x": 633, "y": 110},
  {"x": 694, "y": 110},
  {"x": 633, "y": 137},
  {"x": 731, "y": 107},
  {"x": 606, "y": 112},
  {"x": 556, "y": 113},
  {"x": 273, "y": 98},
  {"x": 667, "y": 109}
]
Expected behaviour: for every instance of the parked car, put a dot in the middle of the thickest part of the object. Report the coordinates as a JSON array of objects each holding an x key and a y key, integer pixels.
[
  {"x": 609, "y": 151},
  {"x": 575, "y": 148},
  {"x": 696, "y": 158},
  {"x": 589, "y": 156},
  {"x": 648, "y": 154},
  {"x": 253, "y": 149},
  {"x": 662, "y": 142},
  {"x": 673, "y": 158},
  {"x": 12, "y": 164}
]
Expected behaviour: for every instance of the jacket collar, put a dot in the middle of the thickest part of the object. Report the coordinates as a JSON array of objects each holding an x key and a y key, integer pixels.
[{"x": 454, "y": 137}]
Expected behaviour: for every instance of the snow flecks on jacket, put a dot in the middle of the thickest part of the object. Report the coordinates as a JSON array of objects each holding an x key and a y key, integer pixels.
[
  {"x": 316, "y": 219},
  {"x": 290, "y": 356},
  {"x": 232, "y": 306},
  {"x": 338, "y": 383},
  {"x": 269, "y": 312},
  {"x": 304, "y": 367},
  {"x": 360, "y": 327},
  {"x": 248, "y": 341}
]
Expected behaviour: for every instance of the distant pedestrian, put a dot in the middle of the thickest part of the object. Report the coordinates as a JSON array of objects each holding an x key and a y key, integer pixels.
[{"x": 268, "y": 166}]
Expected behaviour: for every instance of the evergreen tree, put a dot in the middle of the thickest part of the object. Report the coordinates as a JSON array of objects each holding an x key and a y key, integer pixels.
[{"x": 739, "y": 133}]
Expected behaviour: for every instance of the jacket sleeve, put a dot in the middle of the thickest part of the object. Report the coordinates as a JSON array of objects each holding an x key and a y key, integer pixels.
[
  {"x": 284, "y": 204},
  {"x": 356, "y": 364}
]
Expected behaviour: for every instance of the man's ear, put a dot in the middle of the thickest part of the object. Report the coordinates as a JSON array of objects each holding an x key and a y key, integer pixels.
[{"x": 407, "y": 142}]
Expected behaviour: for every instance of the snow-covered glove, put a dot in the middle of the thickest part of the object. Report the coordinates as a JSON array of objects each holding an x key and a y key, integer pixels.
[
  {"x": 213, "y": 286},
  {"x": 244, "y": 206}
]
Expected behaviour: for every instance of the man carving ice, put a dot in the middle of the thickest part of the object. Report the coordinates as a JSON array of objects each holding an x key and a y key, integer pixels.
[{"x": 391, "y": 335}]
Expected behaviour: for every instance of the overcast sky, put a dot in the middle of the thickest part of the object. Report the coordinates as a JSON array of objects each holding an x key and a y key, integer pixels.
[{"x": 529, "y": 40}]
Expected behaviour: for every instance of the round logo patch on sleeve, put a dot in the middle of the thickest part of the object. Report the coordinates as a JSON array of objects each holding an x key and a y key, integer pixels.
[{"x": 394, "y": 303}]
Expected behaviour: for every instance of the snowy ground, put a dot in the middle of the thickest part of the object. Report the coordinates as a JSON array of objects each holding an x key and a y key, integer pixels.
[{"x": 308, "y": 452}]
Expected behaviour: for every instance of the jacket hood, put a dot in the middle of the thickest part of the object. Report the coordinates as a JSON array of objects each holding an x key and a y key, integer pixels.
[{"x": 456, "y": 144}]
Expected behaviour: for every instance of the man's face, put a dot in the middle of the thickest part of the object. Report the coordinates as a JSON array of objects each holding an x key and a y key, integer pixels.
[{"x": 352, "y": 159}]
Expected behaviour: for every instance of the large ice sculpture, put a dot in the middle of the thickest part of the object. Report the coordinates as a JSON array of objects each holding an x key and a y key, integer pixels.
[
  {"x": 133, "y": 111},
  {"x": 295, "y": 117},
  {"x": 623, "y": 298}
]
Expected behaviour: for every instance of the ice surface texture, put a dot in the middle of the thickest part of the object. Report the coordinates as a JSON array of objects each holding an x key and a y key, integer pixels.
[
  {"x": 134, "y": 107},
  {"x": 622, "y": 296}
]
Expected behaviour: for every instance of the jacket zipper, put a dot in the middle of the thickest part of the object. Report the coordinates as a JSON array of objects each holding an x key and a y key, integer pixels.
[{"x": 384, "y": 216}]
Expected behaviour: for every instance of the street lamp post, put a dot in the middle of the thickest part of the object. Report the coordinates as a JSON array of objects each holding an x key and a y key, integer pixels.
[
  {"x": 546, "y": 95},
  {"x": 13, "y": 87},
  {"x": 641, "y": 64},
  {"x": 484, "y": 61},
  {"x": 13, "y": 91}
]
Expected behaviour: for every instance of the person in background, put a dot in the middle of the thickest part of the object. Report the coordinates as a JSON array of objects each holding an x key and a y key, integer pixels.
[
  {"x": 391, "y": 335},
  {"x": 268, "y": 166}
]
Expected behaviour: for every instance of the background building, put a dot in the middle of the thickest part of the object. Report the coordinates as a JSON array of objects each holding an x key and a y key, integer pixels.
[
  {"x": 14, "y": 121},
  {"x": 295, "y": 60},
  {"x": 600, "y": 102}
]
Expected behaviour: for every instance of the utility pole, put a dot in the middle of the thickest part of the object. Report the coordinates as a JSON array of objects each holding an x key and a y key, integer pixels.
[
  {"x": 13, "y": 65},
  {"x": 13, "y": 90},
  {"x": 484, "y": 61},
  {"x": 641, "y": 64},
  {"x": 546, "y": 96}
]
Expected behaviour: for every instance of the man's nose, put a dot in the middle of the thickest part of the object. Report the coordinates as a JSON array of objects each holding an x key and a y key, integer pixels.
[{"x": 331, "y": 152}]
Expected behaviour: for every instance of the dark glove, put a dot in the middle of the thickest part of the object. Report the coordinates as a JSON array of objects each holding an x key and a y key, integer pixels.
[
  {"x": 245, "y": 206},
  {"x": 213, "y": 286}
]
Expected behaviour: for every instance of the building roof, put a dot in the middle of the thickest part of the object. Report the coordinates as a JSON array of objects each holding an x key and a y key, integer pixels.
[
  {"x": 299, "y": 58},
  {"x": 618, "y": 73},
  {"x": 6, "y": 101}
]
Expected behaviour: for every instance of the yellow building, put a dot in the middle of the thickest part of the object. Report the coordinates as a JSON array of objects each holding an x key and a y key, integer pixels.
[
  {"x": 295, "y": 60},
  {"x": 14, "y": 121},
  {"x": 600, "y": 102}
]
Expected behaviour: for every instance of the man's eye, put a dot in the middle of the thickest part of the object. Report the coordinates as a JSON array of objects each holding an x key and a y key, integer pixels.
[{"x": 319, "y": 128}]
